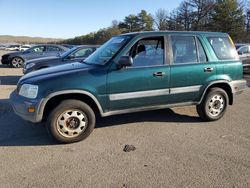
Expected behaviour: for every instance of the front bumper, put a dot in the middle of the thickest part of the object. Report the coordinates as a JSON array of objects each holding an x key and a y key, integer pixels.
[
  {"x": 5, "y": 60},
  {"x": 21, "y": 104}
]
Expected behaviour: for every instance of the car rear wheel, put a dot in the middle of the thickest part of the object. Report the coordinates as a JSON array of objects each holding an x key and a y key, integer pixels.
[
  {"x": 17, "y": 62},
  {"x": 71, "y": 121},
  {"x": 214, "y": 105}
]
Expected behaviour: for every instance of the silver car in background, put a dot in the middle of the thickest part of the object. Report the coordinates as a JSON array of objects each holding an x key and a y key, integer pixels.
[{"x": 17, "y": 59}]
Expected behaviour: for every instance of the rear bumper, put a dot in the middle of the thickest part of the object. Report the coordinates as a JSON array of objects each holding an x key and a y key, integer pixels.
[
  {"x": 246, "y": 68},
  {"x": 238, "y": 86}
]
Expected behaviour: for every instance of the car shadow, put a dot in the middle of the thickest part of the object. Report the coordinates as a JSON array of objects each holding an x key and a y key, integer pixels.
[
  {"x": 4, "y": 66},
  {"x": 164, "y": 115},
  {"x": 9, "y": 80},
  {"x": 17, "y": 132}
]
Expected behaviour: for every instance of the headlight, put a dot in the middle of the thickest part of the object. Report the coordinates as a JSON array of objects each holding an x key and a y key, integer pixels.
[
  {"x": 29, "y": 91},
  {"x": 27, "y": 66}
]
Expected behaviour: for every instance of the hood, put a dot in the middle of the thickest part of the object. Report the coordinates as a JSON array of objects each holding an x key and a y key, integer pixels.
[
  {"x": 56, "y": 70},
  {"x": 14, "y": 53},
  {"x": 43, "y": 59}
]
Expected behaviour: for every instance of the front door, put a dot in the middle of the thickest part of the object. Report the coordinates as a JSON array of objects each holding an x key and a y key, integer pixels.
[
  {"x": 35, "y": 52},
  {"x": 146, "y": 82}
]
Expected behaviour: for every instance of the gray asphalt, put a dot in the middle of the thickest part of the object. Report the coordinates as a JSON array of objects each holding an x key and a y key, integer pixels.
[{"x": 174, "y": 148}]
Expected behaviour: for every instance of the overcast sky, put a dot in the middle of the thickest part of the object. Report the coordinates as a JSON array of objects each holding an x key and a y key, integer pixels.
[{"x": 69, "y": 18}]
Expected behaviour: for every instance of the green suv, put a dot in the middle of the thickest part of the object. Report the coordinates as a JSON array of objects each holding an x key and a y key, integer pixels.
[{"x": 129, "y": 73}]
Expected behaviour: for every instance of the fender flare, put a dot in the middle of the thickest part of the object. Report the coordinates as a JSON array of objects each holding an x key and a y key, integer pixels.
[
  {"x": 212, "y": 83},
  {"x": 44, "y": 101}
]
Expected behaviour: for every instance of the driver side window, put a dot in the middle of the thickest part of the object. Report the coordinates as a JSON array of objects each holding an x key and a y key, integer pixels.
[
  {"x": 85, "y": 52},
  {"x": 38, "y": 49},
  {"x": 148, "y": 52}
]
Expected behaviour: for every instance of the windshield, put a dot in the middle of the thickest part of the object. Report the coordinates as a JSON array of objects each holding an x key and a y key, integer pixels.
[{"x": 103, "y": 54}]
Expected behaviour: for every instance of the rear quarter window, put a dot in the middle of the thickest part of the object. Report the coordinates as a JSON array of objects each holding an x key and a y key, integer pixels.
[{"x": 223, "y": 48}]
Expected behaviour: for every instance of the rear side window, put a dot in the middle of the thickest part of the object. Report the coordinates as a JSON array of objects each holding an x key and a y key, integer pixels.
[
  {"x": 223, "y": 48},
  {"x": 184, "y": 49},
  {"x": 53, "y": 49}
]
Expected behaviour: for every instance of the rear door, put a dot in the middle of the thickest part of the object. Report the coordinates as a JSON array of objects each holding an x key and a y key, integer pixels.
[
  {"x": 190, "y": 68},
  {"x": 52, "y": 51}
]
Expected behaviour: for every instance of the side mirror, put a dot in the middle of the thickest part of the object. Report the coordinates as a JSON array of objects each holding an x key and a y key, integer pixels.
[
  {"x": 240, "y": 53},
  {"x": 125, "y": 61}
]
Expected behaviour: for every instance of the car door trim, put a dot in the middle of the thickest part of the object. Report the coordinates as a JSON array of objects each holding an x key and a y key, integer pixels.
[
  {"x": 187, "y": 89},
  {"x": 153, "y": 93},
  {"x": 138, "y": 94}
]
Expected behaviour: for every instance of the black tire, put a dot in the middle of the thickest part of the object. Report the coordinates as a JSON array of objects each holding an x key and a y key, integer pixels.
[
  {"x": 17, "y": 62},
  {"x": 64, "y": 127},
  {"x": 213, "y": 105}
]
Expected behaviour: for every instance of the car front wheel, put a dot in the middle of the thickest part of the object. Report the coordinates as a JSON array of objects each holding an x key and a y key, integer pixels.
[
  {"x": 214, "y": 105},
  {"x": 17, "y": 62},
  {"x": 71, "y": 121}
]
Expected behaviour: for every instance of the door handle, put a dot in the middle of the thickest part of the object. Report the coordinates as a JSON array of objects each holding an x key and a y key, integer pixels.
[
  {"x": 159, "y": 74},
  {"x": 208, "y": 69}
]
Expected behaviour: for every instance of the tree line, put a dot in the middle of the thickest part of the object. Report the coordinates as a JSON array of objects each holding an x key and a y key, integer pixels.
[{"x": 230, "y": 16}]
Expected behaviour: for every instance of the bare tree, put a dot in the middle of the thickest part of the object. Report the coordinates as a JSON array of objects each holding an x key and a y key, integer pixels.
[
  {"x": 185, "y": 16},
  {"x": 201, "y": 10},
  {"x": 161, "y": 19}
]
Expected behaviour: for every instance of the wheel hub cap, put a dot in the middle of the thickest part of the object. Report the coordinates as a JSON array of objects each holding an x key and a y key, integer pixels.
[
  {"x": 71, "y": 123},
  {"x": 216, "y": 105},
  {"x": 17, "y": 62}
]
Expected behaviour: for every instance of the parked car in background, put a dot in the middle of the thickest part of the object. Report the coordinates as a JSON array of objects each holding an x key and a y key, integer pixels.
[
  {"x": 69, "y": 45},
  {"x": 13, "y": 48},
  {"x": 129, "y": 73},
  {"x": 24, "y": 47},
  {"x": 244, "y": 54},
  {"x": 2, "y": 47},
  {"x": 75, "y": 54},
  {"x": 17, "y": 59}
]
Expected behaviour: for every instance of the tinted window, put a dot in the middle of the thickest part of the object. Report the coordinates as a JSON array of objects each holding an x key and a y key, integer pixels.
[
  {"x": 148, "y": 52},
  {"x": 202, "y": 54},
  {"x": 83, "y": 52},
  {"x": 223, "y": 47},
  {"x": 37, "y": 49},
  {"x": 184, "y": 49},
  {"x": 53, "y": 49}
]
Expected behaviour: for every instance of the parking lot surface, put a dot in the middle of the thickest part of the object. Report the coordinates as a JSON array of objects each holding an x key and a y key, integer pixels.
[{"x": 173, "y": 148}]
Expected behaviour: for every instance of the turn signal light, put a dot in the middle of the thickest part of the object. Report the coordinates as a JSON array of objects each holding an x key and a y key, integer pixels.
[{"x": 31, "y": 109}]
